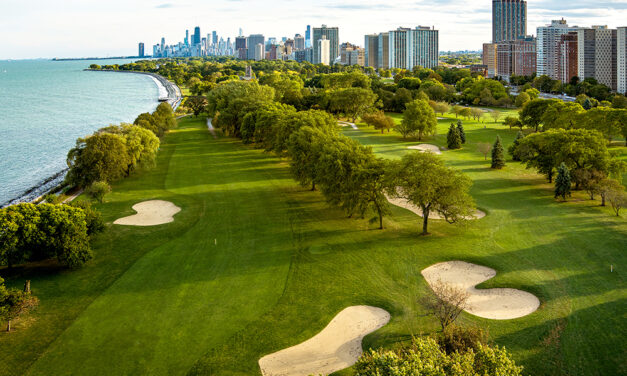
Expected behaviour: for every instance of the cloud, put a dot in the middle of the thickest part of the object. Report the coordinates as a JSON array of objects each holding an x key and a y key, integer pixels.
[{"x": 165, "y": 6}]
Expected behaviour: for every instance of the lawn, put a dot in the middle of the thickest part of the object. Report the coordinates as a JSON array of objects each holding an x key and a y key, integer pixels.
[{"x": 254, "y": 263}]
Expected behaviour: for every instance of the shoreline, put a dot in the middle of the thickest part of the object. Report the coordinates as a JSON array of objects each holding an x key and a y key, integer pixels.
[
  {"x": 174, "y": 97},
  {"x": 52, "y": 183}
]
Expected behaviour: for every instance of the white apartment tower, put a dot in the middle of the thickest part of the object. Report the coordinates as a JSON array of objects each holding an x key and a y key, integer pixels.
[
  {"x": 621, "y": 60},
  {"x": 548, "y": 46},
  {"x": 323, "y": 49}
]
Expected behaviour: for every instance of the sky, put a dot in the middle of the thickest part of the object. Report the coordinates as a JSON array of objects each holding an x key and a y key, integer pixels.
[{"x": 85, "y": 28}]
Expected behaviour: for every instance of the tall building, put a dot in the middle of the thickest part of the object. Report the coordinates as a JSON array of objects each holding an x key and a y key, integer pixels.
[
  {"x": 413, "y": 47},
  {"x": 509, "y": 20},
  {"x": 260, "y": 52},
  {"x": 621, "y": 60},
  {"x": 351, "y": 54},
  {"x": 186, "y": 40},
  {"x": 516, "y": 57},
  {"x": 333, "y": 36},
  {"x": 568, "y": 66},
  {"x": 241, "y": 32},
  {"x": 323, "y": 51},
  {"x": 371, "y": 47},
  {"x": 308, "y": 37},
  {"x": 214, "y": 37},
  {"x": 240, "y": 43},
  {"x": 252, "y": 41},
  {"x": 141, "y": 50},
  {"x": 383, "y": 55},
  {"x": 299, "y": 42},
  {"x": 549, "y": 37},
  {"x": 490, "y": 58},
  {"x": 597, "y": 55},
  {"x": 196, "y": 35}
]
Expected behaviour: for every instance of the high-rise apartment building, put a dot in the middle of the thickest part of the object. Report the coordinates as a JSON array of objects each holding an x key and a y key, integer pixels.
[
  {"x": 299, "y": 42},
  {"x": 413, "y": 47},
  {"x": 509, "y": 20},
  {"x": 323, "y": 51},
  {"x": 597, "y": 55},
  {"x": 621, "y": 60},
  {"x": 383, "y": 55},
  {"x": 141, "y": 50},
  {"x": 332, "y": 34},
  {"x": 516, "y": 57},
  {"x": 252, "y": 41},
  {"x": 549, "y": 37},
  {"x": 371, "y": 49},
  {"x": 351, "y": 54},
  {"x": 260, "y": 52},
  {"x": 214, "y": 37},
  {"x": 568, "y": 57},
  {"x": 240, "y": 42},
  {"x": 489, "y": 58}
]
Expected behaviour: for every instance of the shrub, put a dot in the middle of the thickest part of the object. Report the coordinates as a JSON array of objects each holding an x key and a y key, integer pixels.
[
  {"x": 98, "y": 190},
  {"x": 461, "y": 339}
]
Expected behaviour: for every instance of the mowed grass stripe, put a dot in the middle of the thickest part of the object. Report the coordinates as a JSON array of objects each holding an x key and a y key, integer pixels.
[{"x": 189, "y": 294}]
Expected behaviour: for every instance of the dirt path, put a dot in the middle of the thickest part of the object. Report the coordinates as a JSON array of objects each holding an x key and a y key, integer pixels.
[
  {"x": 347, "y": 124},
  {"x": 212, "y": 130}
]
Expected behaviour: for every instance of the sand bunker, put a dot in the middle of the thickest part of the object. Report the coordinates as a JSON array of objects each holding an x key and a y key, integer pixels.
[
  {"x": 497, "y": 304},
  {"x": 401, "y": 202},
  {"x": 336, "y": 347},
  {"x": 150, "y": 213},
  {"x": 426, "y": 148}
]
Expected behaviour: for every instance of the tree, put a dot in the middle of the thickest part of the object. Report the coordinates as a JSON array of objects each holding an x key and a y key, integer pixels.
[
  {"x": 368, "y": 188},
  {"x": 561, "y": 115},
  {"x": 14, "y": 303},
  {"x": 98, "y": 190},
  {"x": 512, "y": 122},
  {"x": 514, "y": 145},
  {"x": 353, "y": 102},
  {"x": 606, "y": 186},
  {"x": 484, "y": 148},
  {"x": 617, "y": 198},
  {"x": 304, "y": 149},
  {"x": 460, "y": 129},
  {"x": 456, "y": 110},
  {"x": 453, "y": 139},
  {"x": 496, "y": 115},
  {"x": 498, "y": 157},
  {"x": 562, "y": 182},
  {"x": 446, "y": 303},
  {"x": 423, "y": 180},
  {"x": 419, "y": 118},
  {"x": 423, "y": 357},
  {"x": 378, "y": 120},
  {"x": 477, "y": 113},
  {"x": 532, "y": 112},
  {"x": 100, "y": 157},
  {"x": 466, "y": 113},
  {"x": 441, "y": 107},
  {"x": 460, "y": 339},
  {"x": 522, "y": 99},
  {"x": 197, "y": 104}
]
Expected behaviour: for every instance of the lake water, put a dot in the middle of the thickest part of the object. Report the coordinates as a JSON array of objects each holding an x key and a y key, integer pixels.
[{"x": 46, "y": 105}]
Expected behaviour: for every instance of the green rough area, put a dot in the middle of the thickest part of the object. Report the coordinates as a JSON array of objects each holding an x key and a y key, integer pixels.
[{"x": 169, "y": 300}]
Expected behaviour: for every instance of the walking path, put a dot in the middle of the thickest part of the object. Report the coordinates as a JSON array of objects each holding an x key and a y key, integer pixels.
[
  {"x": 211, "y": 128},
  {"x": 346, "y": 123},
  {"x": 72, "y": 197}
]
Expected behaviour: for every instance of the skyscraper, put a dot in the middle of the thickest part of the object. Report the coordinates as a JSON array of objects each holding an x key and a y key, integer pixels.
[
  {"x": 308, "y": 37},
  {"x": 333, "y": 36},
  {"x": 549, "y": 37},
  {"x": 186, "y": 37},
  {"x": 196, "y": 35},
  {"x": 568, "y": 66},
  {"x": 516, "y": 57},
  {"x": 252, "y": 41},
  {"x": 509, "y": 20},
  {"x": 621, "y": 60},
  {"x": 260, "y": 52},
  {"x": 214, "y": 36},
  {"x": 323, "y": 50},
  {"x": 299, "y": 42},
  {"x": 597, "y": 55},
  {"x": 413, "y": 47},
  {"x": 141, "y": 50},
  {"x": 489, "y": 58},
  {"x": 371, "y": 50},
  {"x": 241, "y": 33}
]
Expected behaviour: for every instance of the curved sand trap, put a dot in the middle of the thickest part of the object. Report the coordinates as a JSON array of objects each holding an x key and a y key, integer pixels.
[
  {"x": 336, "y": 347},
  {"x": 150, "y": 213},
  {"x": 426, "y": 148},
  {"x": 497, "y": 304},
  {"x": 401, "y": 202}
]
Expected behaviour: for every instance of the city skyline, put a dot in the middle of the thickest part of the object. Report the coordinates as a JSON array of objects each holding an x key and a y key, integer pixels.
[{"x": 72, "y": 29}]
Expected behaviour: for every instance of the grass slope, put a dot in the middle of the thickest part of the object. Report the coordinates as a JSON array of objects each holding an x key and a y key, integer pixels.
[{"x": 168, "y": 300}]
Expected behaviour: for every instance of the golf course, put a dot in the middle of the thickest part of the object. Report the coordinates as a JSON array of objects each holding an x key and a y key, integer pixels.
[{"x": 253, "y": 263}]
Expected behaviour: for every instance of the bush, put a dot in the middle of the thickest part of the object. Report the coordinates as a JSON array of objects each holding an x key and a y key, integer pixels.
[
  {"x": 93, "y": 218},
  {"x": 98, "y": 190},
  {"x": 460, "y": 339}
]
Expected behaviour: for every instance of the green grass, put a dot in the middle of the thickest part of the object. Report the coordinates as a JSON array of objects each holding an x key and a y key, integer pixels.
[{"x": 168, "y": 300}]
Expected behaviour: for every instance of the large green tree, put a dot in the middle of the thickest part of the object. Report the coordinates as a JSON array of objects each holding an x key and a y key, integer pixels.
[
  {"x": 99, "y": 157},
  {"x": 423, "y": 180},
  {"x": 419, "y": 118},
  {"x": 352, "y": 102}
]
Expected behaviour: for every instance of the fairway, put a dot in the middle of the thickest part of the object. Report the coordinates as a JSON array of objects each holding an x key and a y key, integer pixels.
[{"x": 254, "y": 264}]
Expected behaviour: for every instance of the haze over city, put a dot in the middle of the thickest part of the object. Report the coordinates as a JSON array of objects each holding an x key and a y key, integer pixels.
[{"x": 43, "y": 29}]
